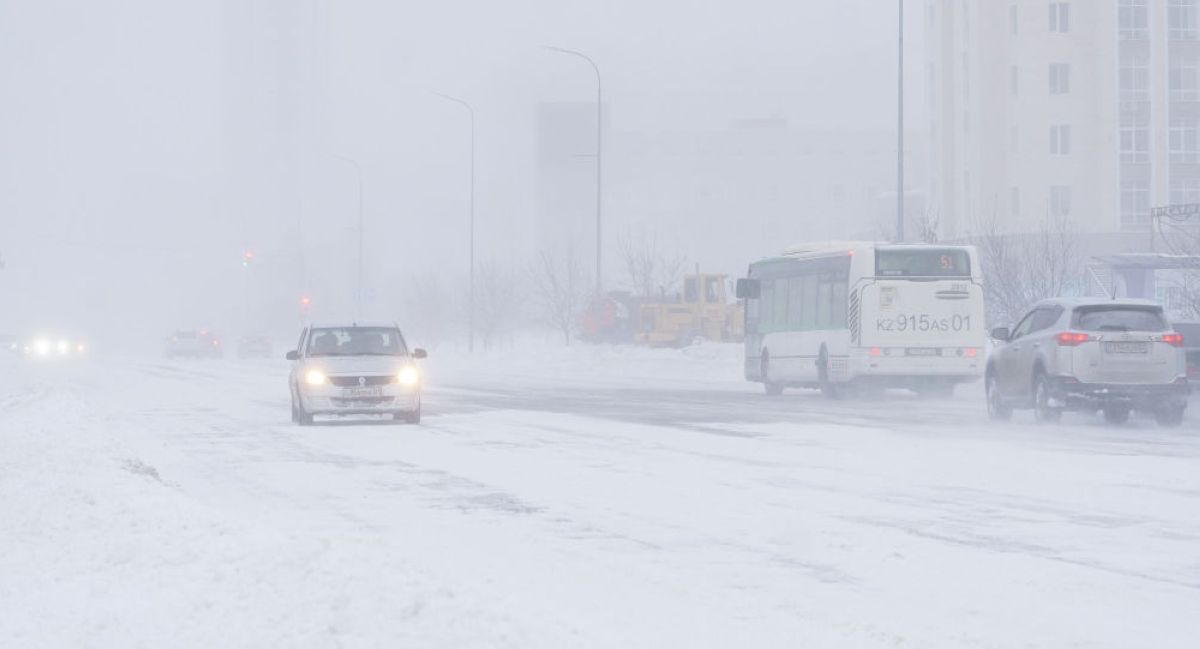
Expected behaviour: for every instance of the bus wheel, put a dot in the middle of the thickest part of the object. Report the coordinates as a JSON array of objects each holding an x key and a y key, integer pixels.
[
  {"x": 830, "y": 389},
  {"x": 773, "y": 389}
]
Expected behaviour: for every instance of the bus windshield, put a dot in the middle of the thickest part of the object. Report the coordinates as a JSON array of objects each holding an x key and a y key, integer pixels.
[{"x": 922, "y": 262}]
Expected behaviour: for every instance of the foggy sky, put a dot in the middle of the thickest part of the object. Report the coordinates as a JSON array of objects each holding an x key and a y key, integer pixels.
[{"x": 147, "y": 144}]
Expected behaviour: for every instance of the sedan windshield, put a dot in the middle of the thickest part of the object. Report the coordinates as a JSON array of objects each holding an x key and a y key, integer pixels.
[{"x": 356, "y": 341}]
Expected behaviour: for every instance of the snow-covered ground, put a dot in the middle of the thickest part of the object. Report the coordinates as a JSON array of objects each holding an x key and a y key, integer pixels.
[{"x": 592, "y": 497}]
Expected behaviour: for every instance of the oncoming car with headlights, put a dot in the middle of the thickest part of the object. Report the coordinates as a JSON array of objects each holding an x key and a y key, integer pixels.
[
  {"x": 354, "y": 369},
  {"x": 46, "y": 347}
]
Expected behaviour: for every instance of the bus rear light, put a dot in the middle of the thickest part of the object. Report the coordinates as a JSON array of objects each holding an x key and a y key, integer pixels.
[
  {"x": 1173, "y": 339},
  {"x": 875, "y": 351},
  {"x": 1072, "y": 338},
  {"x": 971, "y": 352}
]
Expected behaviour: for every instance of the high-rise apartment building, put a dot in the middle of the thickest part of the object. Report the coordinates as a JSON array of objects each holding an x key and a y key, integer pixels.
[{"x": 1083, "y": 109}]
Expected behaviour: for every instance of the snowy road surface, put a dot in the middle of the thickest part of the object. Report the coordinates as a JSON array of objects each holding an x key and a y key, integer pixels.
[{"x": 595, "y": 498}]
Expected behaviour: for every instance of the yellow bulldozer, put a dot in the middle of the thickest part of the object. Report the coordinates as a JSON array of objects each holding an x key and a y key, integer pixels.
[{"x": 701, "y": 312}]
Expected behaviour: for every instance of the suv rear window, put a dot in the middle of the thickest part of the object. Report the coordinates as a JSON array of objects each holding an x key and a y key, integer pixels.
[{"x": 1119, "y": 318}]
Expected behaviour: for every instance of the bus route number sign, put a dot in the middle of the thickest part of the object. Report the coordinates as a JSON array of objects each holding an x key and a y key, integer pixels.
[{"x": 923, "y": 322}]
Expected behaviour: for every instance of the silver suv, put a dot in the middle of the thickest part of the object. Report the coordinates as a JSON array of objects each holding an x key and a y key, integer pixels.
[{"x": 1090, "y": 354}]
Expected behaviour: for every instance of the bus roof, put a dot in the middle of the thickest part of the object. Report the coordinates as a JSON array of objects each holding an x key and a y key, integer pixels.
[{"x": 833, "y": 248}]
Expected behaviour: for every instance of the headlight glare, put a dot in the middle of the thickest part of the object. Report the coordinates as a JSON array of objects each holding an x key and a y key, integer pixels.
[
  {"x": 316, "y": 377},
  {"x": 409, "y": 375}
]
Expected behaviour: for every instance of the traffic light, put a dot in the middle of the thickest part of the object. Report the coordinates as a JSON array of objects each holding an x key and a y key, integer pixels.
[
  {"x": 305, "y": 302},
  {"x": 247, "y": 258}
]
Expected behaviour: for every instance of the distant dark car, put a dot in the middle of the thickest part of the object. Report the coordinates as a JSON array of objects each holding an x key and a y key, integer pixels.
[
  {"x": 254, "y": 346},
  {"x": 193, "y": 344},
  {"x": 1191, "y": 345}
]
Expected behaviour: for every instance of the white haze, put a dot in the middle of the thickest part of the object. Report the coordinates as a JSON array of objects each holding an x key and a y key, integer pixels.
[{"x": 147, "y": 144}]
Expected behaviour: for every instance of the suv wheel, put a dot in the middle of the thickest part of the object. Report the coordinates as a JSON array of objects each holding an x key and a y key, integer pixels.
[
  {"x": 997, "y": 409},
  {"x": 1116, "y": 414},
  {"x": 1169, "y": 417},
  {"x": 1042, "y": 410}
]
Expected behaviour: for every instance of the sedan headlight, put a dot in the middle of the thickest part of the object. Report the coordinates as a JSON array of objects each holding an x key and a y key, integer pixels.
[
  {"x": 409, "y": 375},
  {"x": 316, "y": 377}
]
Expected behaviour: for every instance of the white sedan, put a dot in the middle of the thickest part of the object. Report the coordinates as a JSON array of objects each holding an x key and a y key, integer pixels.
[{"x": 354, "y": 369}]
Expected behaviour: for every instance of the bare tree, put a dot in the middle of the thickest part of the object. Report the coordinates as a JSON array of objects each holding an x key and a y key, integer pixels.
[
  {"x": 561, "y": 289},
  {"x": 498, "y": 303},
  {"x": 649, "y": 270},
  {"x": 1179, "y": 235},
  {"x": 929, "y": 228},
  {"x": 1024, "y": 268}
]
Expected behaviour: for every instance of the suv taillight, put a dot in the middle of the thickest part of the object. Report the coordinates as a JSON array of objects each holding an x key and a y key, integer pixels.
[
  {"x": 1072, "y": 338},
  {"x": 1173, "y": 339}
]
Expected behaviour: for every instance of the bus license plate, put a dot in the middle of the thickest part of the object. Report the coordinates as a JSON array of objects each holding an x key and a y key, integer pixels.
[
  {"x": 359, "y": 393},
  {"x": 1126, "y": 348},
  {"x": 923, "y": 351}
]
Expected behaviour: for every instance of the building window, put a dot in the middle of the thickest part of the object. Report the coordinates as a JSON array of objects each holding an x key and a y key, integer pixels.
[
  {"x": 1060, "y": 78},
  {"x": 1185, "y": 141},
  {"x": 1182, "y": 79},
  {"x": 1133, "y": 22},
  {"x": 1134, "y": 82},
  {"x": 1012, "y": 19},
  {"x": 1181, "y": 20},
  {"x": 1185, "y": 189},
  {"x": 1014, "y": 81},
  {"x": 1135, "y": 143},
  {"x": 1135, "y": 201},
  {"x": 1060, "y": 139},
  {"x": 1060, "y": 17},
  {"x": 1060, "y": 200},
  {"x": 1014, "y": 201}
]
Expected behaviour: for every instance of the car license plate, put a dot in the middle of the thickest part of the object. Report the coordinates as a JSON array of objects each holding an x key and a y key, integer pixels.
[
  {"x": 923, "y": 351},
  {"x": 362, "y": 392},
  {"x": 1126, "y": 348}
]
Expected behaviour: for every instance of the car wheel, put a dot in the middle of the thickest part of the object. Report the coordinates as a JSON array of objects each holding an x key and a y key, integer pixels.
[
  {"x": 303, "y": 417},
  {"x": 1042, "y": 410},
  {"x": 1116, "y": 414},
  {"x": 1169, "y": 417},
  {"x": 997, "y": 409},
  {"x": 773, "y": 389}
]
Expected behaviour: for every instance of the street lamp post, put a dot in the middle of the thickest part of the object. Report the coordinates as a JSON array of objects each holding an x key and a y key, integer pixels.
[
  {"x": 471, "y": 236},
  {"x": 358, "y": 169},
  {"x": 599, "y": 161},
  {"x": 900, "y": 127}
]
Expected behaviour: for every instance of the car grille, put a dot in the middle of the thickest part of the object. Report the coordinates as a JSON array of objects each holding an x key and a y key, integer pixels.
[{"x": 356, "y": 381}]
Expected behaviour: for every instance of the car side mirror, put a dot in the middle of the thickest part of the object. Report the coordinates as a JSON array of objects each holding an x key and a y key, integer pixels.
[
  {"x": 293, "y": 355},
  {"x": 1001, "y": 333},
  {"x": 419, "y": 353},
  {"x": 748, "y": 289}
]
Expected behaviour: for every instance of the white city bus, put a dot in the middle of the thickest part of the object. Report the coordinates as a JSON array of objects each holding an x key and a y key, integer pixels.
[{"x": 900, "y": 315}]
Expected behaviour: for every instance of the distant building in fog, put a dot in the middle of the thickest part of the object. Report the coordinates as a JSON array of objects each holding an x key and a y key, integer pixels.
[
  {"x": 733, "y": 194},
  {"x": 1085, "y": 109}
]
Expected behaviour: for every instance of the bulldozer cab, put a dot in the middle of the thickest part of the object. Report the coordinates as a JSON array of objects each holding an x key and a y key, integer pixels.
[{"x": 704, "y": 289}]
